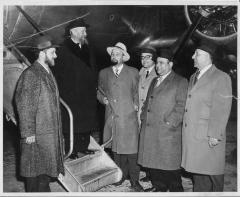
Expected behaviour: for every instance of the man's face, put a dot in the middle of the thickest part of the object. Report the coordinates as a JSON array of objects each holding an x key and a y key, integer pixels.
[
  {"x": 163, "y": 66},
  {"x": 117, "y": 56},
  {"x": 79, "y": 34},
  {"x": 50, "y": 56},
  {"x": 201, "y": 58},
  {"x": 146, "y": 59}
]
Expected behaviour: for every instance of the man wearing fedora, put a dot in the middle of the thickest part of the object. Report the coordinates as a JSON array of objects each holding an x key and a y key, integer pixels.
[
  {"x": 77, "y": 86},
  {"x": 118, "y": 91},
  {"x": 160, "y": 135},
  {"x": 38, "y": 109},
  {"x": 206, "y": 115}
]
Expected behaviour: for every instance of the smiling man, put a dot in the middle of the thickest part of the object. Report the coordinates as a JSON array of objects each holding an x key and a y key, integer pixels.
[
  {"x": 118, "y": 91},
  {"x": 160, "y": 135},
  {"x": 38, "y": 108}
]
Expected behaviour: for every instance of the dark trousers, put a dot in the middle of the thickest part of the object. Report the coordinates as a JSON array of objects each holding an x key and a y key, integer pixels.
[
  {"x": 128, "y": 165},
  {"x": 208, "y": 183},
  {"x": 80, "y": 142},
  {"x": 38, "y": 184},
  {"x": 164, "y": 180}
]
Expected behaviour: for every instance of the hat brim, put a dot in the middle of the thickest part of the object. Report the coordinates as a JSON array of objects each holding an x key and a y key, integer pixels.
[
  {"x": 126, "y": 56},
  {"x": 52, "y": 46}
]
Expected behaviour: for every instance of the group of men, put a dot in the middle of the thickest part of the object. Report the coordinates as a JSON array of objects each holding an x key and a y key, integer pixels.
[{"x": 156, "y": 118}]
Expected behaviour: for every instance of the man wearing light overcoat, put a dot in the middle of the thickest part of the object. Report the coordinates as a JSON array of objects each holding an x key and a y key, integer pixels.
[{"x": 206, "y": 115}]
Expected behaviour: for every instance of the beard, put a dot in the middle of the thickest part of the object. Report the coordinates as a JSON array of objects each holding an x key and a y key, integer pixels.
[
  {"x": 83, "y": 40},
  {"x": 50, "y": 62},
  {"x": 113, "y": 60}
]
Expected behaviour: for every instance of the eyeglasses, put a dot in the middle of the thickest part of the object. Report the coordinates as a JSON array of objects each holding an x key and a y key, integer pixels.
[{"x": 146, "y": 57}]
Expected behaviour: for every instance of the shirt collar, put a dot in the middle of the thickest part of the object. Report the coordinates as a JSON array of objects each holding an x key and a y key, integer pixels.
[
  {"x": 202, "y": 71},
  {"x": 164, "y": 76},
  {"x": 149, "y": 69},
  {"x": 119, "y": 68}
]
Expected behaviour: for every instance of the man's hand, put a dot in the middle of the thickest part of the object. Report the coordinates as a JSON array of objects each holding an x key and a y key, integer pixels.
[
  {"x": 212, "y": 142},
  {"x": 31, "y": 139},
  {"x": 136, "y": 107},
  {"x": 105, "y": 101},
  {"x": 60, "y": 177}
]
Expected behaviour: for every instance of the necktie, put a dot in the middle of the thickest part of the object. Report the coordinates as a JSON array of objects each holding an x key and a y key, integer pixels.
[
  {"x": 116, "y": 72},
  {"x": 147, "y": 74},
  {"x": 196, "y": 77},
  {"x": 159, "y": 80}
]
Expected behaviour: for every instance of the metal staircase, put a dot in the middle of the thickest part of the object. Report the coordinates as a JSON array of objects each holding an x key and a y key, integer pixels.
[{"x": 88, "y": 173}]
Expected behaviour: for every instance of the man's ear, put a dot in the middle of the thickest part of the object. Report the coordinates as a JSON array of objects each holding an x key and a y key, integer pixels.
[
  {"x": 41, "y": 55},
  {"x": 171, "y": 64}
]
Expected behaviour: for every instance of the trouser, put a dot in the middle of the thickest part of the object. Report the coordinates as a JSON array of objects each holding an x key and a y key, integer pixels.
[
  {"x": 80, "y": 143},
  {"x": 38, "y": 184},
  {"x": 208, "y": 183},
  {"x": 164, "y": 180},
  {"x": 128, "y": 165}
]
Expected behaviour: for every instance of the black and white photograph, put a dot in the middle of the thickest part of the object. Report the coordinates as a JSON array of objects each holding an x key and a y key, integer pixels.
[{"x": 119, "y": 98}]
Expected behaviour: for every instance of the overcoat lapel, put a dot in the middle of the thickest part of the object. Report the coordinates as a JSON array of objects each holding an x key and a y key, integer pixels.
[
  {"x": 165, "y": 82},
  {"x": 204, "y": 79}
]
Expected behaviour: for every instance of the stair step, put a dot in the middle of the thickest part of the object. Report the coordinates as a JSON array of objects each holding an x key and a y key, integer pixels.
[
  {"x": 94, "y": 174},
  {"x": 97, "y": 178},
  {"x": 84, "y": 163}
]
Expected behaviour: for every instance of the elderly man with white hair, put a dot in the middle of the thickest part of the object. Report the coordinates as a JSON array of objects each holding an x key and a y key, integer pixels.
[
  {"x": 77, "y": 86},
  {"x": 118, "y": 91}
]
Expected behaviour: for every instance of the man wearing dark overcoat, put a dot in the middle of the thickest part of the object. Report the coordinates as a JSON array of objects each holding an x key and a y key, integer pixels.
[
  {"x": 77, "y": 83},
  {"x": 118, "y": 90},
  {"x": 160, "y": 135},
  {"x": 206, "y": 115},
  {"x": 38, "y": 109}
]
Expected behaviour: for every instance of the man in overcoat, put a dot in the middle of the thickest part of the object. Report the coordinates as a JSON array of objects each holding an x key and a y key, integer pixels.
[
  {"x": 77, "y": 83},
  {"x": 146, "y": 75},
  {"x": 206, "y": 115},
  {"x": 38, "y": 109},
  {"x": 118, "y": 90},
  {"x": 160, "y": 135}
]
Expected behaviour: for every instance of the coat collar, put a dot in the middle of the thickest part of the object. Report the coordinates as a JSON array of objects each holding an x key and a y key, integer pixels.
[
  {"x": 168, "y": 79},
  {"x": 49, "y": 75},
  {"x": 203, "y": 80}
]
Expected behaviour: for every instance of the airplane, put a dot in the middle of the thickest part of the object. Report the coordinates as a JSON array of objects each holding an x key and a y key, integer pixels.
[{"x": 179, "y": 27}]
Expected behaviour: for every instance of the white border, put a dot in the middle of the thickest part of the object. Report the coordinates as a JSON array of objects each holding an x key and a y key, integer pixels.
[{"x": 111, "y": 2}]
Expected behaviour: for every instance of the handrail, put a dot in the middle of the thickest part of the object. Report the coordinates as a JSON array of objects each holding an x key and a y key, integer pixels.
[
  {"x": 71, "y": 128},
  {"x": 113, "y": 116}
]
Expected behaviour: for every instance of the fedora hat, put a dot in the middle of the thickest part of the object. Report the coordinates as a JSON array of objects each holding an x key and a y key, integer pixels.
[
  {"x": 122, "y": 47},
  {"x": 78, "y": 23},
  {"x": 44, "y": 42},
  {"x": 207, "y": 47},
  {"x": 165, "y": 53}
]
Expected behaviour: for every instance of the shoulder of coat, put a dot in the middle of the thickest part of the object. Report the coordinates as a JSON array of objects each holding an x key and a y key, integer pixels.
[
  {"x": 132, "y": 69},
  {"x": 220, "y": 74},
  {"x": 105, "y": 70}
]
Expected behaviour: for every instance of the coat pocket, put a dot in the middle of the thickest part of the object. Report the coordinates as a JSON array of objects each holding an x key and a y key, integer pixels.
[{"x": 201, "y": 129}]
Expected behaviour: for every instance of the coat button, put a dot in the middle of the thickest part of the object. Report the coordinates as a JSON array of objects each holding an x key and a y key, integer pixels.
[
  {"x": 142, "y": 87},
  {"x": 148, "y": 110},
  {"x": 185, "y": 110},
  {"x": 148, "y": 124},
  {"x": 142, "y": 99},
  {"x": 151, "y": 97},
  {"x": 189, "y": 96},
  {"x": 185, "y": 124}
]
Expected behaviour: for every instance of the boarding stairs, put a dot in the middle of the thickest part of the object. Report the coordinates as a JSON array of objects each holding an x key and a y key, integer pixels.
[{"x": 88, "y": 173}]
